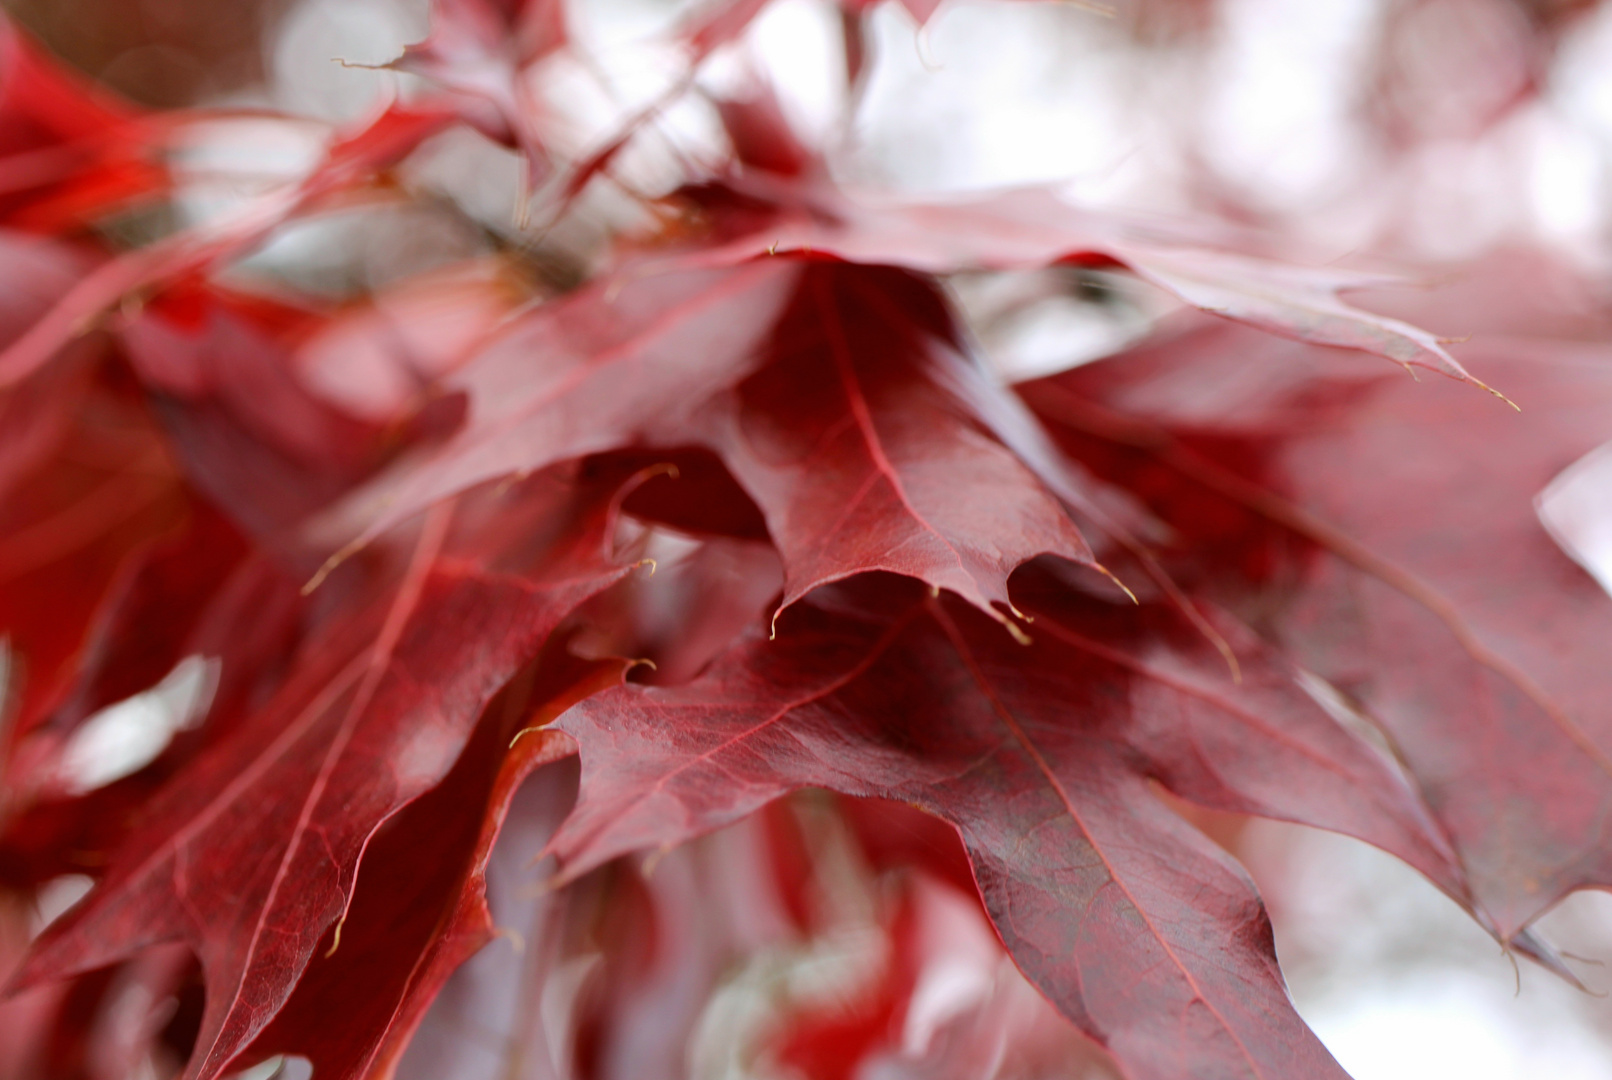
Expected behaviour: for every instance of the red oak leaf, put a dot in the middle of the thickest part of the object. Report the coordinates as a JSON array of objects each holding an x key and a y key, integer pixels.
[
  {"x": 420, "y": 906},
  {"x": 1136, "y": 927},
  {"x": 836, "y": 395},
  {"x": 613, "y": 365},
  {"x": 221, "y": 371},
  {"x": 1398, "y": 530},
  {"x": 202, "y": 594},
  {"x": 251, "y": 855},
  {"x": 1034, "y": 228}
]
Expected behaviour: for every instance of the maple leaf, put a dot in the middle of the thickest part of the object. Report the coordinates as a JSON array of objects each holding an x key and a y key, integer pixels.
[{"x": 1140, "y": 930}]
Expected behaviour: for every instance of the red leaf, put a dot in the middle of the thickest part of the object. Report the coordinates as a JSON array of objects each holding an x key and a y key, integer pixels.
[
  {"x": 251, "y": 432},
  {"x": 253, "y": 854},
  {"x": 198, "y": 594},
  {"x": 1137, "y": 928},
  {"x": 1419, "y": 579},
  {"x": 352, "y": 158},
  {"x": 636, "y": 359},
  {"x": 85, "y": 482},
  {"x": 69, "y": 152},
  {"x": 420, "y": 907},
  {"x": 861, "y": 460},
  {"x": 1033, "y": 228},
  {"x": 480, "y": 49},
  {"x": 610, "y": 366},
  {"x": 35, "y": 415},
  {"x": 845, "y": 429}
]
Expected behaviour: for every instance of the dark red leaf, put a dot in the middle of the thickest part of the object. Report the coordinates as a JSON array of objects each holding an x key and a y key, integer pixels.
[
  {"x": 253, "y": 435},
  {"x": 1415, "y": 577},
  {"x": 836, "y": 396},
  {"x": 420, "y": 907},
  {"x": 94, "y": 486},
  {"x": 1140, "y": 930},
  {"x": 201, "y": 594},
  {"x": 611, "y": 366},
  {"x": 251, "y": 856},
  {"x": 860, "y": 458}
]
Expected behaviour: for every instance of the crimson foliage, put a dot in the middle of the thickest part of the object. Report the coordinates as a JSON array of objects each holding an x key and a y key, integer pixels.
[{"x": 1242, "y": 566}]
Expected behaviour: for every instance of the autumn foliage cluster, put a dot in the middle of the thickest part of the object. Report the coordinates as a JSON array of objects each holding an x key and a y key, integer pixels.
[{"x": 676, "y": 665}]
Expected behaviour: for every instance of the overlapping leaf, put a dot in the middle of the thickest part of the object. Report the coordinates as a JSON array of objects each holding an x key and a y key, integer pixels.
[
  {"x": 861, "y": 460},
  {"x": 420, "y": 908},
  {"x": 202, "y": 594},
  {"x": 85, "y": 482},
  {"x": 481, "y": 50},
  {"x": 613, "y": 365},
  {"x": 827, "y": 391},
  {"x": 1139, "y": 930},
  {"x": 1397, "y": 522},
  {"x": 1034, "y": 228},
  {"x": 321, "y": 840},
  {"x": 252, "y": 856}
]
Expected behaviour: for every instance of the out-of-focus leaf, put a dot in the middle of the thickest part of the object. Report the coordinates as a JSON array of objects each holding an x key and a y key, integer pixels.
[
  {"x": 352, "y": 159},
  {"x": 480, "y": 50},
  {"x": 69, "y": 152},
  {"x": 252, "y": 856},
  {"x": 1393, "y": 530},
  {"x": 1034, "y": 228}
]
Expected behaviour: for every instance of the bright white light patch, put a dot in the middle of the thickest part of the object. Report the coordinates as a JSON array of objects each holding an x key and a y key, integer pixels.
[
  {"x": 1450, "y": 1024},
  {"x": 1576, "y": 509},
  {"x": 124, "y": 738},
  {"x": 279, "y": 1067},
  {"x": 56, "y": 896}
]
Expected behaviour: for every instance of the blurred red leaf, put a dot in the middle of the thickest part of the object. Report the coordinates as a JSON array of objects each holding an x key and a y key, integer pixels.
[
  {"x": 1034, "y": 228},
  {"x": 479, "y": 50},
  {"x": 373, "y": 716},
  {"x": 69, "y": 152},
  {"x": 1416, "y": 578}
]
